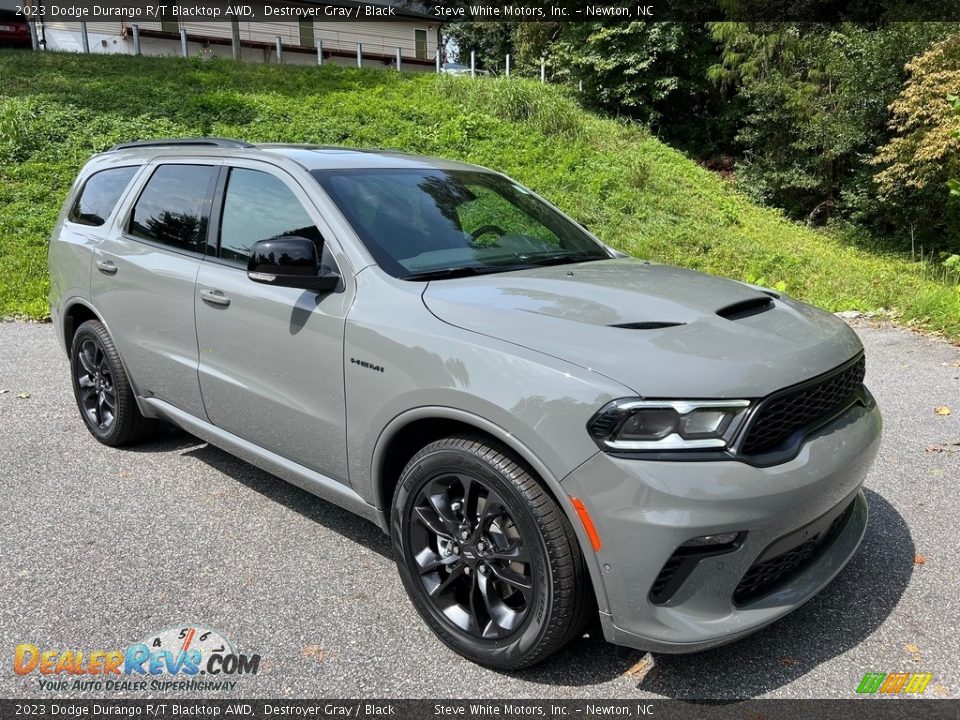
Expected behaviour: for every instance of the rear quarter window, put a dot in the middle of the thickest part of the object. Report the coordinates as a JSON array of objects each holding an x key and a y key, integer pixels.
[{"x": 99, "y": 195}]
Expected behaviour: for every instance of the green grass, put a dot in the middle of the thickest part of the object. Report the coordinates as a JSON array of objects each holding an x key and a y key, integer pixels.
[{"x": 634, "y": 192}]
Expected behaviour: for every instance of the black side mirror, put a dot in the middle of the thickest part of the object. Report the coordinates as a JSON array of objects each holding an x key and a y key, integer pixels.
[{"x": 290, "y": 262}]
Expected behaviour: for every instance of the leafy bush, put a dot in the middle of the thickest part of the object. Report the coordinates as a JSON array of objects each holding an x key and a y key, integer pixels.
[
  {"x": 548, "y": 109},
  {"x": 16, "y": 118}
]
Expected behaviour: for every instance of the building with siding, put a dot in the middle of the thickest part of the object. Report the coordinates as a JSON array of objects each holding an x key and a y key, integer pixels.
[{"x": 415, "y": 36}]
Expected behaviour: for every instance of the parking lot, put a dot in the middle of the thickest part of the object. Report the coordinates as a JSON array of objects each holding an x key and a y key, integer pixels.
[{"x": 102, "y": 547}]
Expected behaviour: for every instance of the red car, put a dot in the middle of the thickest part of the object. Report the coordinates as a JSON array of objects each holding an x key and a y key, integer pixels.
[{"x": 14, "y": 31}]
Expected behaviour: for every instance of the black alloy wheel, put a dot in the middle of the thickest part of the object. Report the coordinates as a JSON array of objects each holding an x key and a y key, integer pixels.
[
  {"x": 470, "y": 555},
  {"x": 488, "y": 558},
  {"x": 97, "y": 393},
  {"x": 102, "y": 389}
]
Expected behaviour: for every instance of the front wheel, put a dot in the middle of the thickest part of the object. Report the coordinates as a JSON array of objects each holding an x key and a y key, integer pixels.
[{"x": 486, "y": 555}]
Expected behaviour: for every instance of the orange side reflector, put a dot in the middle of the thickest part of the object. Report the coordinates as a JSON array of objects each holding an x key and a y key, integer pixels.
[{"x": 587, "y": 523}]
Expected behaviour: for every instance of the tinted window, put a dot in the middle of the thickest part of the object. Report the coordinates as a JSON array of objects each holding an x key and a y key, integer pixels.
[
  {"x": 258, "y": 206},
  {"x": 427, "y": 221},
  {"x": 174, "y": 206},
  {"x": 100, "y": 195}
]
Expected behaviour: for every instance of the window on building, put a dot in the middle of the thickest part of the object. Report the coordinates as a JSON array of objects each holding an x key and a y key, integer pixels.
[
  {"x": 307, "y": 38},
  {"x": 168, "y": 23},
  {"x": 420, "y": 40},
  {"x": 100, "y": 195},
  {"x": 174, "y": 206},
  {"x": 259, "y": 206}
]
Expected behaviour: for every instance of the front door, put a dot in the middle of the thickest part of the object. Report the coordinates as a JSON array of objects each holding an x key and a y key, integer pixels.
[{"x": 271, "y": 358}]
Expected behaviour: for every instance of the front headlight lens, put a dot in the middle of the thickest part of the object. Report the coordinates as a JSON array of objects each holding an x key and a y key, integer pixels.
[
  {"x": 652, "y": 424},
  {"x": 657, "y": 425},
  {"x": 705, "y": 423}
]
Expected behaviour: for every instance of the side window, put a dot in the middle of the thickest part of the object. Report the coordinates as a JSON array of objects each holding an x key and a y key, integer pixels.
[
  {"x": 100, "y": 195},
  {"x": 258, "y": 206},
  {"x": 174, "y": 206}
]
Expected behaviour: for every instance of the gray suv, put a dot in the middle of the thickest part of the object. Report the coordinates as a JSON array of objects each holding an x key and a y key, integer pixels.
[{"x": 548, "y": 430}]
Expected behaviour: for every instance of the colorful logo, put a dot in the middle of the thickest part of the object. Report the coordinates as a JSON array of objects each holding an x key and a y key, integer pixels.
[
  {"x": 894, "y": 683},
  {"x": 168, "y": 660}
]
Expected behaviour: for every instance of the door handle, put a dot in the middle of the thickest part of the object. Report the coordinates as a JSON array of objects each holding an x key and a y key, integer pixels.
[
  {"x": 214, "y": 297},
  {"x": 107, "y": 267}
]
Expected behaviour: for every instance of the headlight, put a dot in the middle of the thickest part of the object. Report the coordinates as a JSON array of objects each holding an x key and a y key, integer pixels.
[{"x": 652, "y": 425}]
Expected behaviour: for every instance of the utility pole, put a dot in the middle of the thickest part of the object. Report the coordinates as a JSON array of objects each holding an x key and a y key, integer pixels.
[{"x": 235, "y": 39}]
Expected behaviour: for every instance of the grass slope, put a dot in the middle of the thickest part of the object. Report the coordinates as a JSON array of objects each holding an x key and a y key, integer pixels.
[{"x": 634, "y": 192}]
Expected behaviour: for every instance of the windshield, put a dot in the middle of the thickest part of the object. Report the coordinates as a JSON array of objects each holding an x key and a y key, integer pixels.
[{"x": 425, "y": 224}]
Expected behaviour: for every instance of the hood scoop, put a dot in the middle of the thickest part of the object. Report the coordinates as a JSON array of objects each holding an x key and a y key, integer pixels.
[
  {"x": 647, "y": 325},
  {"x": 746, "y": 308}
]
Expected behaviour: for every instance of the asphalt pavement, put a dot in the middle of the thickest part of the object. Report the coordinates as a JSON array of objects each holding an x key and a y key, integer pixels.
[{"x": 100, "y": 548}]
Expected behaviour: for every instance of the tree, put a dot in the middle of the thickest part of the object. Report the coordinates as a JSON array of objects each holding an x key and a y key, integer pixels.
[
  {"x": 525, "y": 42},
  {"x": 918, "y": 161},
  {"x": 490, "y": 41},
  {"x": 653, "y": 72},
  {"x": 814, "y": 107},
  {"x": 924, "y": 151}
]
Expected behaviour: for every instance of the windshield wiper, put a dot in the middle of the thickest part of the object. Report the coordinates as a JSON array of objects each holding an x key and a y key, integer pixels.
[
  {"x": 471, "y": 270},
  {"x": 561, "y": 259},
  {"x": 444, "y": 273}
]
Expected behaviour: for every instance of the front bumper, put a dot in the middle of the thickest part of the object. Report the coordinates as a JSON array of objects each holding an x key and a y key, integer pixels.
[{"x": 644, "y": 510}]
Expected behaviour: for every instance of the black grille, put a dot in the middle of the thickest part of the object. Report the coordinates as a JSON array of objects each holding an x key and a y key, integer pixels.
[
  {"x": 766, "y": 576},
  {"x": 780, "y": 416},
  {"x": 662, "y": 587},
  {"x": 684, "y": 561}
]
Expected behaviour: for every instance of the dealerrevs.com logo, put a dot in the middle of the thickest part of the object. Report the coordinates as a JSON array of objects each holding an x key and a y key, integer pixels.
[{"x": 182, "y": 658}]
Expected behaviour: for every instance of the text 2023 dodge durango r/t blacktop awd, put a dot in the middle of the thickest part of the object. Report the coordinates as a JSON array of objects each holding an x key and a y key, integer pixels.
[{"x": 547, "y": 429}]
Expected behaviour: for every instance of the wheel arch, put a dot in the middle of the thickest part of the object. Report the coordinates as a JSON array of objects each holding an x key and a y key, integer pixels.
[
  {"x": 76, "y": 312},
  {"x": 410, "y": 431}
]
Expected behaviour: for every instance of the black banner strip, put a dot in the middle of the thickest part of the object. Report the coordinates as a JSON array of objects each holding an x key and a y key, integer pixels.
[
  {"x": 864, "y": 708},
  {"x": 611, "y": 11}
]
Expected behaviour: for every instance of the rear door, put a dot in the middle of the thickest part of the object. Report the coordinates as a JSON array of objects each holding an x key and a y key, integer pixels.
[
  {"x": 80, "y": 229},
  {"x": 271, "y": 358},
  {"x": 144, "y": 276}
]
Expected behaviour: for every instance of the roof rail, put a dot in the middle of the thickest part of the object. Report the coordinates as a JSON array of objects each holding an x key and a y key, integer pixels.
[{"x": 168, "y": 142}]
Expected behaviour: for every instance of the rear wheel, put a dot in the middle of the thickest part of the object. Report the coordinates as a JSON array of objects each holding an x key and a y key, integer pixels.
[
  {"x": 487, "y": 557},
  {"x": 101, "y": 387}
]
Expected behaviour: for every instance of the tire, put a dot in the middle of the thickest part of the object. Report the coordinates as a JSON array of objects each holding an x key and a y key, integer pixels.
[
  {"x": 99, "y": 378},
  {"x": 469, "y": 588}
]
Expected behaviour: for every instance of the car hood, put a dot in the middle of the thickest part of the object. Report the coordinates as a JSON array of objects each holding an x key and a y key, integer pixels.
[{"x": 662, "y": 331}]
